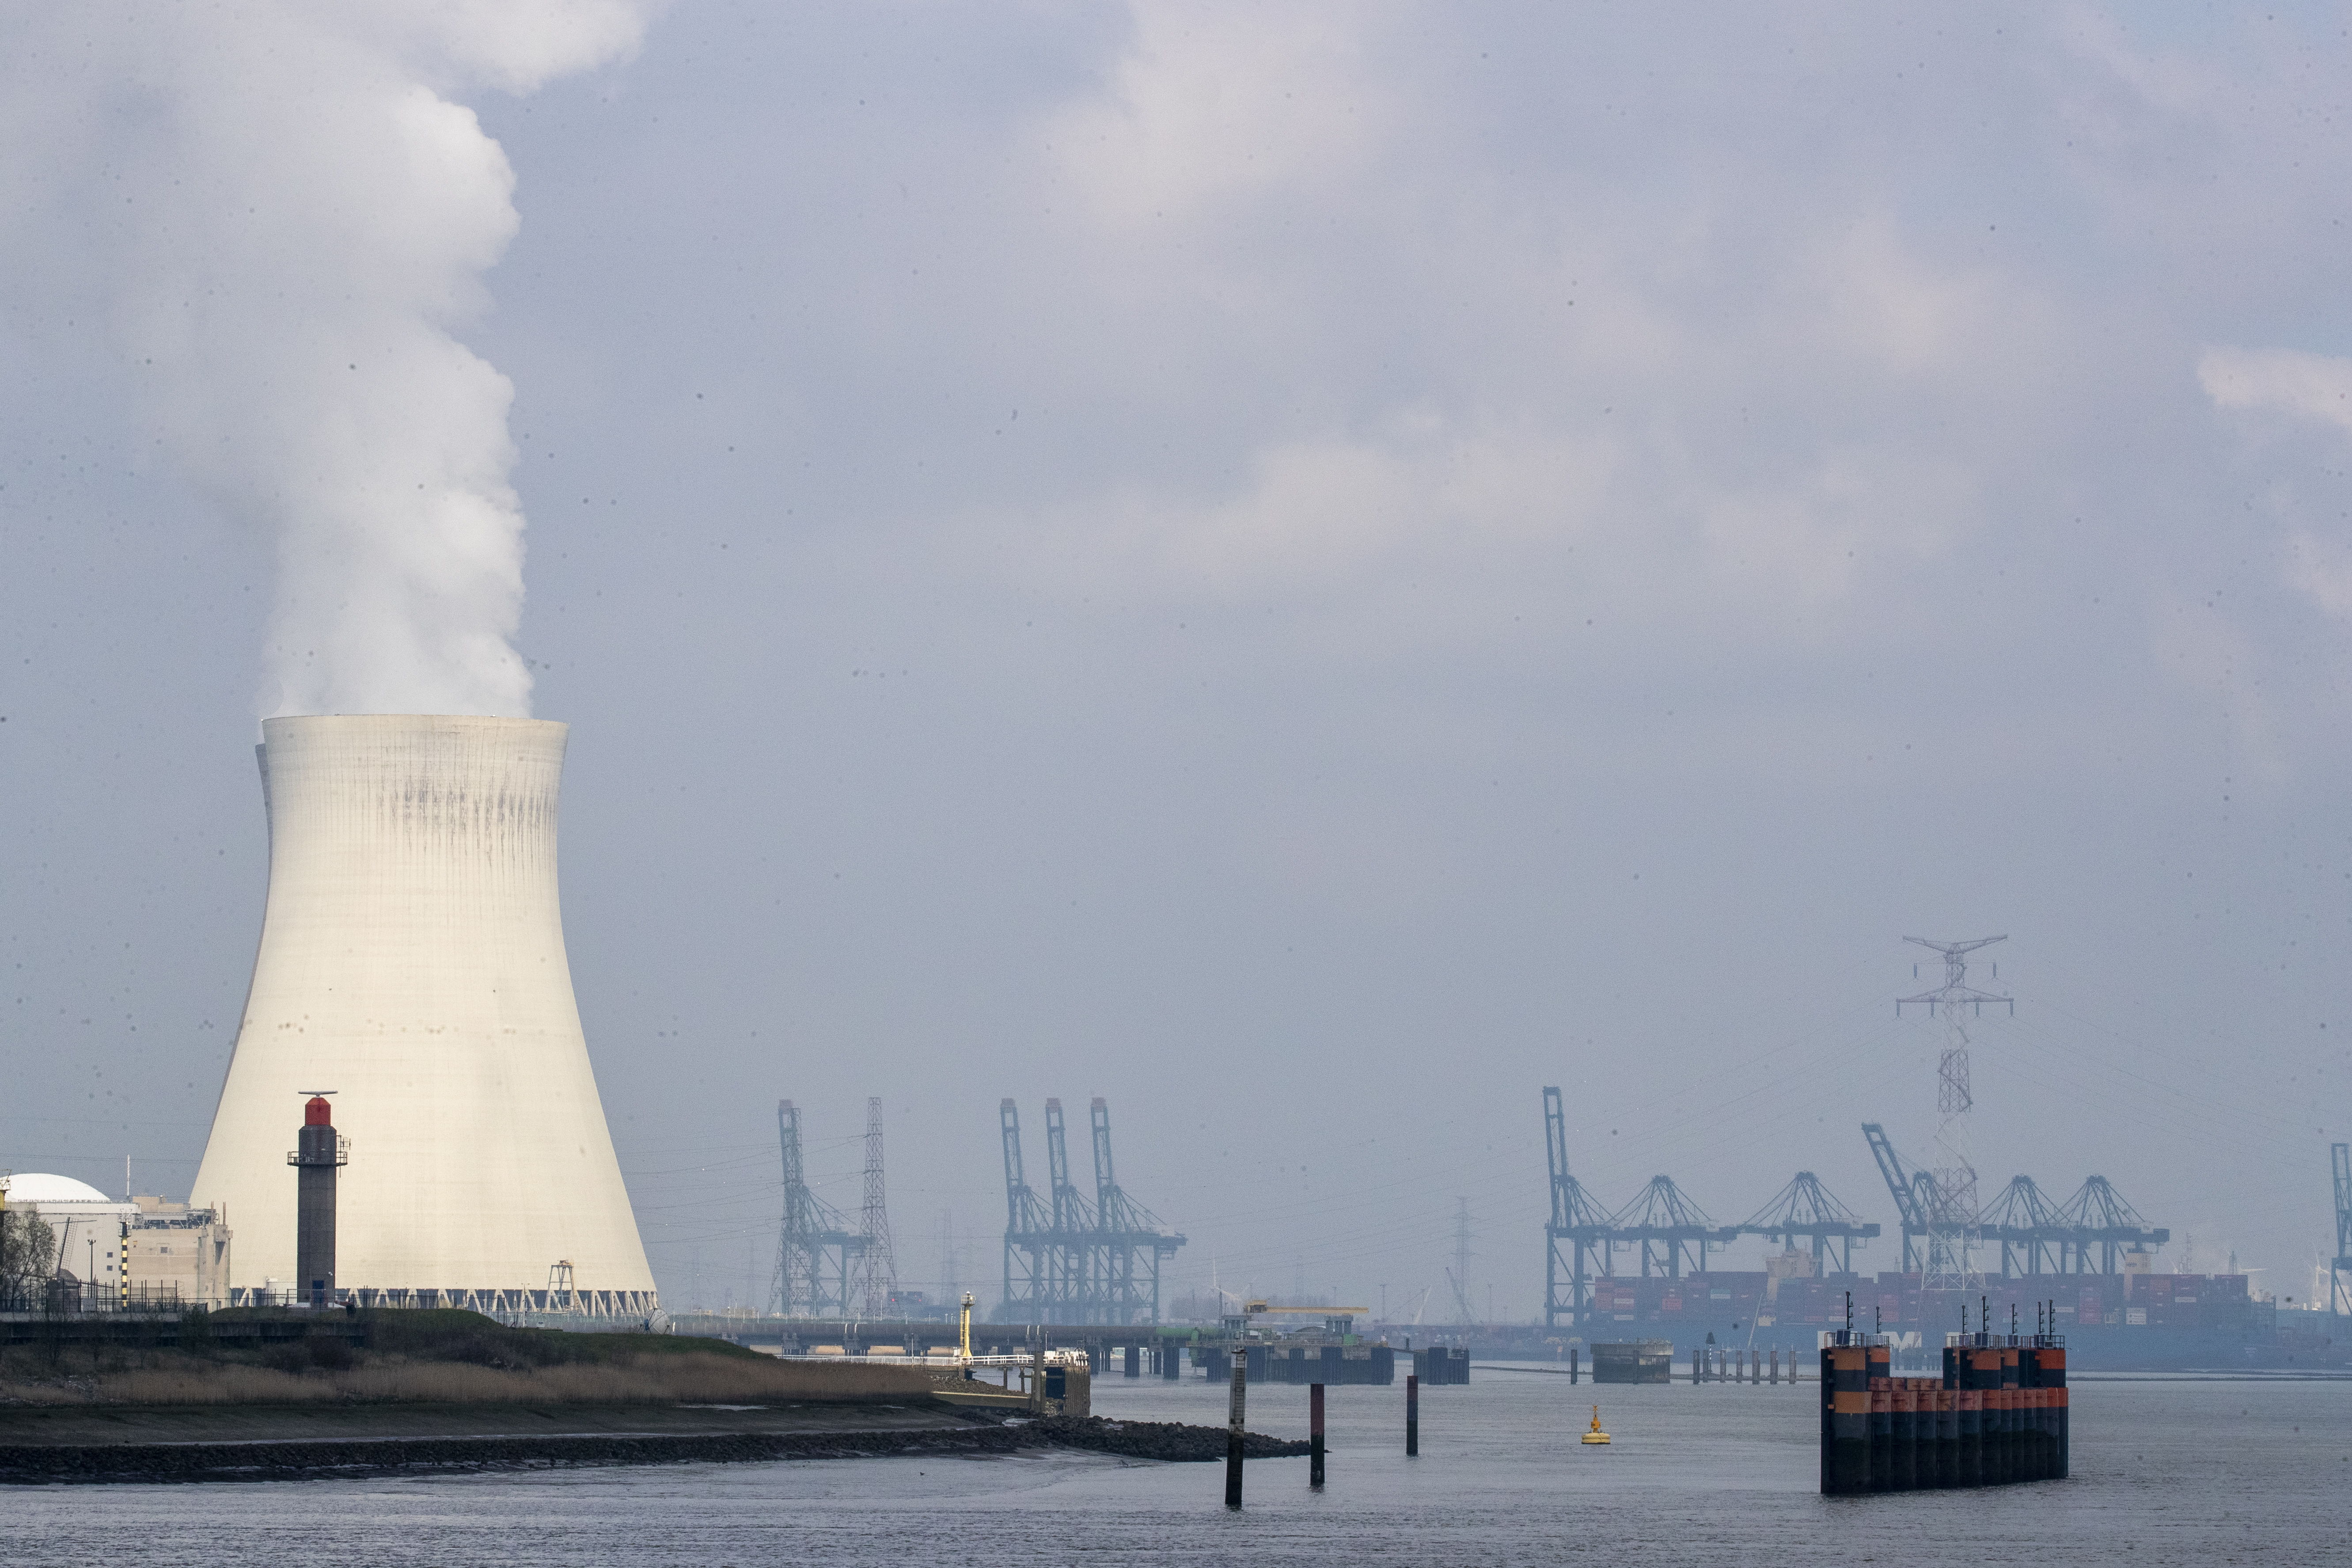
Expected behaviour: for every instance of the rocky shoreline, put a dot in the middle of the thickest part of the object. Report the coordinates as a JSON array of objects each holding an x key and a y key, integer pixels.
[{"x": 1169, "y": 1440}]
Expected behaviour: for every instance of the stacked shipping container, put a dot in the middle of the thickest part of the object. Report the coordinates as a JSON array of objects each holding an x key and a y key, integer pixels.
[{"x": 2168, "y": 1301}]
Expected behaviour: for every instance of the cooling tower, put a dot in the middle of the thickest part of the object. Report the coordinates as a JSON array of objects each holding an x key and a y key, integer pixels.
[{"x": 412, "y": 960}]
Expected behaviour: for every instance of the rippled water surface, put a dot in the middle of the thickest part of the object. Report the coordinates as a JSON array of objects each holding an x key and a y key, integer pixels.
[{"x": 2165, "y": 1472}]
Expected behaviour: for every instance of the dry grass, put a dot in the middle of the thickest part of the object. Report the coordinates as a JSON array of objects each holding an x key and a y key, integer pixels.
[{"x": 169, "y": 1377}]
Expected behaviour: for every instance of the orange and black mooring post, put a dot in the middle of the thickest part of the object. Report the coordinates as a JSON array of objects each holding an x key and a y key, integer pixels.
[
  {"x": 1412, "y": 1414},
  {"x": 2043, "y": 1373},
  {"x": 1998, "y": 1414},
  {"x": 1315, "y": 1435},
  {"x": 1881, "y": 1416},
  {"x": 2011, "y": 1445},
  {"x": 1903, "y": 1473},
  {"x": 1846, "y": 1410},
  {"x": 1968, "y": 1376},
  {"x": 1944, "y": 1470}
]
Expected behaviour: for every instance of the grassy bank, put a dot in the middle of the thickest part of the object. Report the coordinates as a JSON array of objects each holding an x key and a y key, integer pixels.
[{"x": 445, "y": 1357}]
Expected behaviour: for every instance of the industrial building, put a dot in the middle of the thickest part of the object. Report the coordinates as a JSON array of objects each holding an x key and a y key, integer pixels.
[
  {"x": 412, "y": 963},
  {"x": 179, "y": 1252},
  {"x": 86, "y": 1230},
  {"x": 104, "y": 1253}
]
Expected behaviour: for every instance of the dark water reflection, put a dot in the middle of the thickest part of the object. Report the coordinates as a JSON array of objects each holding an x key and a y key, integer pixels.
[{"x": 2165, "y": 1473}]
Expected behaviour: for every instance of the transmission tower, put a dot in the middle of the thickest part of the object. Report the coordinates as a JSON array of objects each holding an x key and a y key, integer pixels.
[
  {"x": 877, "y": 1269},
  {"x": 1952, "y": 1219},
  {"x": 1459, "y": 1275}
]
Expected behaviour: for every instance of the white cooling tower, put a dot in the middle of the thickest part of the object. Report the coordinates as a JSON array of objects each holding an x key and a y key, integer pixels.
[{"x": 412, "y": 960}]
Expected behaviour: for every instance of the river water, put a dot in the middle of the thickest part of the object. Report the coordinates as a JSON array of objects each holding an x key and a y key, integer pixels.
[{"x": 2170, "y": 1471}]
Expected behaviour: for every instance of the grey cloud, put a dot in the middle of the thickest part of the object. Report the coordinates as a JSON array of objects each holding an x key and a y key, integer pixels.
[{"x": 1313, "y": 578}]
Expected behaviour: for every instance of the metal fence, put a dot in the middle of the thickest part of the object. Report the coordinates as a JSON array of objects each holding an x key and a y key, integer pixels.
[{"x": 68, "y": 1297}]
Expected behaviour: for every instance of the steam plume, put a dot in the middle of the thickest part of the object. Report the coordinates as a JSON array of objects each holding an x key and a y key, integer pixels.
[{"x": 287, "y": 217}]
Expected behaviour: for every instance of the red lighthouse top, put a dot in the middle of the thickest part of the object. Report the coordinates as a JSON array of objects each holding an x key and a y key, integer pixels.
[{"x": 316, "y": 1112}]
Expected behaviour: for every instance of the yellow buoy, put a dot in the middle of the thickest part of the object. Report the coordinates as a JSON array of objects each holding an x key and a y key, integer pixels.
[{"x": 1596, "y": 1436}]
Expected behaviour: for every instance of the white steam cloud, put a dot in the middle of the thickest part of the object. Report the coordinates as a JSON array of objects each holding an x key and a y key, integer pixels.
[{"x": 287, "y": 217}]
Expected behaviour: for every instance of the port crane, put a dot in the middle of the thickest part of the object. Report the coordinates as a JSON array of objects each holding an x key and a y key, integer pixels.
[
  {"x": 1914, "y": 1193},
  {"x": 2339, "y": 1300},
  {"x": 1804, "y": 1209},
  {"x": 1069, "y": 1258},
  {"x": 1577, "y": 1222},
  {"x": 819, "y": 1257},
  {"x": 2088, "y": 1234}
]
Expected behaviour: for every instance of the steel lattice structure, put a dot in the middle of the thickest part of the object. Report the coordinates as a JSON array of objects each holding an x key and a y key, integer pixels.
[
  {"x": 1028, "y": 1232},
  {"x": 2097, "y": 1216},
  {"x": 1577, "y": 1221},
  {"x": 1667, "y": 1228},
  {"x": 2088, "y": 1234},
  {"x": 1670, "y": 1233},
  {"x": 1914, "y": 1193},
  {"x": 2339, "y": 1298},
  {"x": 877, "y": 1268},
  {"x": 1069, "y": 1258},
  {"x": 2028, "y": 1228},
  {"x": 1952, "y": 1219},
  {"x": 1805, "y": 1209},
  {"x": 1134, "y": 1244},
  {"x": 818, "y": 1257}
]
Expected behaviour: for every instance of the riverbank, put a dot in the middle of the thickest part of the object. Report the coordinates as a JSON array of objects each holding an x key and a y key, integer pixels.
[
  {"x": 277, "y": 1358},
  {"x": 98, "y": 1445},
  {"x": 238, "y": 1396}
]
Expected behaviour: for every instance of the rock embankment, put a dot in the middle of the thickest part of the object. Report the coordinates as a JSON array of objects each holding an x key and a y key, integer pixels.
[{"x": 1169, "y": 1440}]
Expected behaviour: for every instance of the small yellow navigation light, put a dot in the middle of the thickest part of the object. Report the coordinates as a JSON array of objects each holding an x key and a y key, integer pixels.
[{"x": 1595, "y": 1438}]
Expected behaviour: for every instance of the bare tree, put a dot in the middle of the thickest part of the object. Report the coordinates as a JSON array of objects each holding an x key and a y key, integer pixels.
[{"x": 27, "y": 1257}]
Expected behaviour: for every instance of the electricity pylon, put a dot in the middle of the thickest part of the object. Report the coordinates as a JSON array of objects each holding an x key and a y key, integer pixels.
[
  {"x": 878, "y": 1270},
  {"x": 1952, "y": 1221}
]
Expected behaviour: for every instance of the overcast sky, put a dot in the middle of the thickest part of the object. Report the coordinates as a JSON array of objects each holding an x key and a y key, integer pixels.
[{"x": 1312, "y": 571}]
